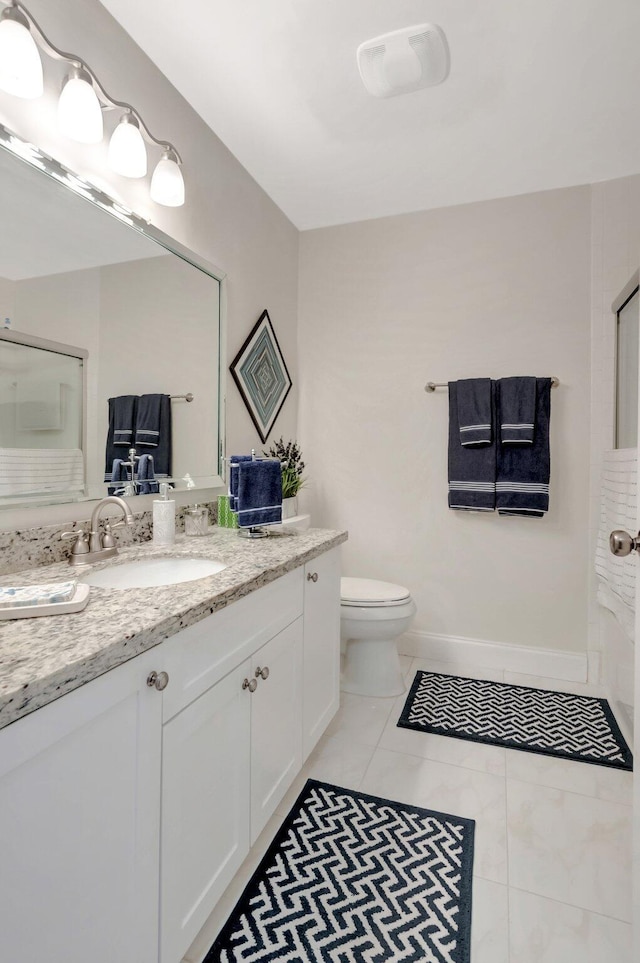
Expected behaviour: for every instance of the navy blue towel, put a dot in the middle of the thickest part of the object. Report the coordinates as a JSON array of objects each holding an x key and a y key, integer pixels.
[
  {"x": 234, "y": 474},
  {"x": 517, "y": 410},
  {"x": 147, "y": 484},
  {"x": 153, "y": 430},
  {"x": 523, "y": 471},
  {"x": 259, "y": 493},
  {"x": 472, "y": 469},
  {"x": 475, "y": 411},
  {"x": 118, "y": 477},
  {"x": 122, "y": 420}
]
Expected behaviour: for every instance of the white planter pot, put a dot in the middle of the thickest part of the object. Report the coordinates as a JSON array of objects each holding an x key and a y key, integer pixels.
[{"x": 289, "y": 507}]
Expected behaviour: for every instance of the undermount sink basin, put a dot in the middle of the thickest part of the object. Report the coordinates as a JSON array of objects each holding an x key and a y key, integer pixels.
[{"x": 147, "y": 572}]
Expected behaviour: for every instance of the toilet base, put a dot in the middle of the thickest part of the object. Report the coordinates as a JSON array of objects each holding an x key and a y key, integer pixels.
[{"x": 372, "y": 668}]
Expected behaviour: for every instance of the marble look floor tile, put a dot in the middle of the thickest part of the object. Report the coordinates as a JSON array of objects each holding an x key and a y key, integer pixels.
[
  {"x": 555, "y": 685},
  {"x": 456, "y": 752},
  {"x": 489, "y": 922},
  {"x": 406, "y": 662},
  {"x": 334, "y": 760},
  {"x": 467, "y": 670},
  {"x": 449, "y": 789},
  {"x": 545, "y": 931},
  {"x": 580, "y": 777},
  {"x": 200, "y": 946},
  {"x": 360, "y": 718},
  {"x": 571, "y": 848}
]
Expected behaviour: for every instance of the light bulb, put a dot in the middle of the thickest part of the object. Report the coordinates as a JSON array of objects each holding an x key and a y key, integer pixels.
[
  {"x": 167, "y": 184},
  {"x": 20, "y": 64},
  {"x": 127, "y": 153},
  {"x": 79, "y": 111}
]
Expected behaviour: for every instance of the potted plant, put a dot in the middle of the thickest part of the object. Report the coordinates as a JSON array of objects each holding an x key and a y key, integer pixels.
[{"x": 292, "y": 467}]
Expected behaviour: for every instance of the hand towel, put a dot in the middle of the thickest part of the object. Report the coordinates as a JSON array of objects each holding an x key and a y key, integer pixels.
[
  {"x": 472, "y": 469},
  {"x": 234, "y": 472},
  {"x": 118, "y": 478},
  {"x": 259, "y": 493},
  {"x": 153, "y": 430},
  {"x": 147, "y": 484},
  {"x": 122, "y": 419},
  {"x": 25, "y": 471},
  {"x": 475, "y": 411},
  {"x": 522, "y": 484},
  {"x": 517, "y": 410}
]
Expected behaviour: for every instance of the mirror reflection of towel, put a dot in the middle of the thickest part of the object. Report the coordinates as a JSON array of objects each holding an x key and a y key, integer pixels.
[{"x": 153, "y": 430}]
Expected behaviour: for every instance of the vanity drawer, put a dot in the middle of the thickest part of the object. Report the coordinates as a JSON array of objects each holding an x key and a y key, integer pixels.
[{"x": 202, "y": 654}]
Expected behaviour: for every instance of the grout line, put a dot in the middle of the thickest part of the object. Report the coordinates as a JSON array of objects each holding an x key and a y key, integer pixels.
[
  {"x": 572, "y": 792},
  {"x": 561, "y": 902}
]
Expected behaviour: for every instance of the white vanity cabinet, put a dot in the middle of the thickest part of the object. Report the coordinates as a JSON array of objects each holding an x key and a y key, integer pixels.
[
  {"x": 79, "y": 824},
  {"x": 321, "y": 669}
]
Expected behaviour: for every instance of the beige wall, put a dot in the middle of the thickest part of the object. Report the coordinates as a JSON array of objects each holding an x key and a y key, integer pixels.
[
  {"x": 227, "y": 219},
  {"x": 615, "y": 257},
  {"x": 493, "y": 289}
]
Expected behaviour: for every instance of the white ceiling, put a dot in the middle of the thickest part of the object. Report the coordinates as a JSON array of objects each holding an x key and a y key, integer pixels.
[{"x": 542, "y": 94}]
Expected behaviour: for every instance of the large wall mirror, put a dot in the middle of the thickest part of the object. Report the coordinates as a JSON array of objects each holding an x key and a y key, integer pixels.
[{"x": 95, "y": 305}]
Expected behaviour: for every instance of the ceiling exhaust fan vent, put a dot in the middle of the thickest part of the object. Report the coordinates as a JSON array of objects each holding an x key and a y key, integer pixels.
[{"x": 404, "y": 60}]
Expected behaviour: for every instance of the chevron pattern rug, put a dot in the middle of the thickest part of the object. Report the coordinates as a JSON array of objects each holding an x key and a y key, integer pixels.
[
  {"x": 518, "y": 717},
  {"x": 352, "y": 878}
]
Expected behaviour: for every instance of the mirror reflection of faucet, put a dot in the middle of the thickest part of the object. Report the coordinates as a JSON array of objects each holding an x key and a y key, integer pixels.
[{"x": 96, "y": 545}]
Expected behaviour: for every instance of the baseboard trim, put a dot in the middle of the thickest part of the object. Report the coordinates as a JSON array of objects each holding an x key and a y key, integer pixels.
[{"x": 568, "y": 666}]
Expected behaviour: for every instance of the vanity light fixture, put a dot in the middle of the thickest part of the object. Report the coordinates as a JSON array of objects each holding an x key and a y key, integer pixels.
[{"x": 83, "y": 103}]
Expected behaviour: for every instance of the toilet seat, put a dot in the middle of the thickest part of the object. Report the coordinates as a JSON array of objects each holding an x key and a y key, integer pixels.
[{"x": 371, "y": 593}]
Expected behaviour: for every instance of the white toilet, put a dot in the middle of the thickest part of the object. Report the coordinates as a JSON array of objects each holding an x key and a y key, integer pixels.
[{"x": 372, "y": 616}]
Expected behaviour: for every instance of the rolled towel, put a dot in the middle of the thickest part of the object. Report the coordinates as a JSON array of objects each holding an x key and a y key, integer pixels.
[
  {"x": 259, "y": 493},
  {"x": 472, "y": 469},
  {"x": 522, "y": 486},
  {"x": 118, "y": 477},
  {"x": 475, "y": 411},
  {"x": 147, "y": 484},
  {"x": 516, "y": 410},
  {"x": 234, "y": 473},
  {"x": 21, "y": 595}
]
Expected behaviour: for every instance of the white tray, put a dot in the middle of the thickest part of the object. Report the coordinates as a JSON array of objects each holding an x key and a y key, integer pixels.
[{"x": 75, "y": 604}]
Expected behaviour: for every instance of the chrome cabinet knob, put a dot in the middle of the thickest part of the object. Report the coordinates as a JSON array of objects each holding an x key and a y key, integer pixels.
[
  {"x": 262, "y": 673},
  {"x": 250, "y": 684},
  {"x": 621, "y": 543},
  {"x": 159, "y": 680},
  {"x": 312, "y": 576}
]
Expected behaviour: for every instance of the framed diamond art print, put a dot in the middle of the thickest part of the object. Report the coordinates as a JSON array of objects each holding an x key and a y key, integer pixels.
[{"x": 260, "y": 372}]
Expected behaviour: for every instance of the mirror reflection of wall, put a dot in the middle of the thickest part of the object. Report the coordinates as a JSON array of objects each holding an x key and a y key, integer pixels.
[{"x": 148, "y": 319}]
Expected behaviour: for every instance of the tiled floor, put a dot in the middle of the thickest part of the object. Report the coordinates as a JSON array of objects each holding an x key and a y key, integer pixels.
[{"x": 552, "y": 867}]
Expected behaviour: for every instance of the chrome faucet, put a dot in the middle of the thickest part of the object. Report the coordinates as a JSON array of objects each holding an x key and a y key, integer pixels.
[{"x": 96, "y": 545}]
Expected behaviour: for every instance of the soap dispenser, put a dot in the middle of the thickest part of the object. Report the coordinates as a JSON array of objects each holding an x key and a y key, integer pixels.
[{"x": 164, "y": 517}]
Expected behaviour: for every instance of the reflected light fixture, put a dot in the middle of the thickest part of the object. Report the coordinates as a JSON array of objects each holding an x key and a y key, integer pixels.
[
  {"x": 20, "y": 63},
  {"x": 82, "y": 105},
  {"x": 127, "y": 153}
]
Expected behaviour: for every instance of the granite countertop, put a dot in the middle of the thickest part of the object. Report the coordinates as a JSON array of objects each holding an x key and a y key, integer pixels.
[{"x": 43, "y": 658}]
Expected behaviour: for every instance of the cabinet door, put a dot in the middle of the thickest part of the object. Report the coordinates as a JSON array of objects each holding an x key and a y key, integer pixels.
[
  {"x": 79, "y": 824},
  {"x": 276, "y": 729},
  {"x": 205, "y": 807},
  {"x": 321, "y": 661}
]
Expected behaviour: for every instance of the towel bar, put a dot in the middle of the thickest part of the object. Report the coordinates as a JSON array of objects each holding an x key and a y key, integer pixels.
[{"x": 432, "y": 385}]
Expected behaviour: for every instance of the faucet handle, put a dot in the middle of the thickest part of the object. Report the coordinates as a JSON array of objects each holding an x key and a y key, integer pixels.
[{"x": 81, "y": 544}]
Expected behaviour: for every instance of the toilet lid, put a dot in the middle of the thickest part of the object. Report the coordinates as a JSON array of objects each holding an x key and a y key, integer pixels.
[{"x": 368, "y": 591}]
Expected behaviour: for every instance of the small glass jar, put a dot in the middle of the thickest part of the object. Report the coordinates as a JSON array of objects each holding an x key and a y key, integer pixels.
[{"x": 196, "y": 520}]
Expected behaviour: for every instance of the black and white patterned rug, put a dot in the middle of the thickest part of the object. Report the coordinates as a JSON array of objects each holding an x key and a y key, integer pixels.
[
  {"x": 350, "y": 878},
  {"x": 518, "y": 717}
]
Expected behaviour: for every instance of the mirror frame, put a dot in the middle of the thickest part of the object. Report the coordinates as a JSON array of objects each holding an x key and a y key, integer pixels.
[{"x": 39, "y": 160}]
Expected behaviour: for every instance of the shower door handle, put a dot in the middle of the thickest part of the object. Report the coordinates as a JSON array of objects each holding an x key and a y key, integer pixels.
[{"x": 621, "y": 543}]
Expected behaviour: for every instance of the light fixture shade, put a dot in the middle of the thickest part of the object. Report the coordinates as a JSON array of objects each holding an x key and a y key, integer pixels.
[
  {"x": 167, "y": 184},
  {"x": 79, "y": 112},
  {"x": 20, "y": 63},
  {"x": 127, "y": 152}
]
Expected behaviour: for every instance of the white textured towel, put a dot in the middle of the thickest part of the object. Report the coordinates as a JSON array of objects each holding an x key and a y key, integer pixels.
[
  {"x": 618, "y": 506},
  {"x": 25, "y": 471}
]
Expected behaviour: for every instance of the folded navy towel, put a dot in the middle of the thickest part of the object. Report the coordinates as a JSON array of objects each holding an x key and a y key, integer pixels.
[
  {"x": 153, "y": 430},
  {"x": 523, "y": 471},
  {"x": 516, "y": 410},
  {"x": 472, "y": 469},
  {"x": 234, "y": 473},
  {"x": 118, "y": 477},
  {"x": 122, "y": 419},
  {"x": 475, "y": 411},
  {"x": 147, "y": 484},
  {"x": 259, "y": 493}
]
